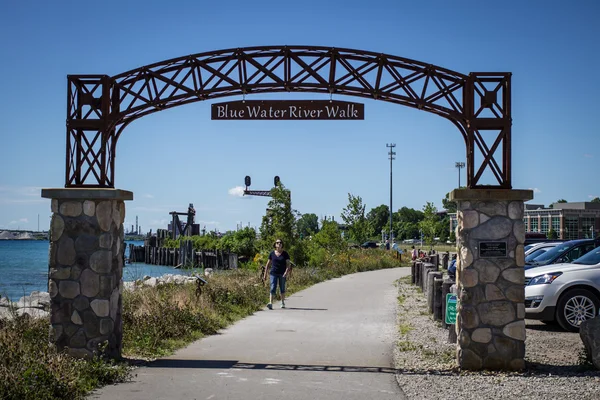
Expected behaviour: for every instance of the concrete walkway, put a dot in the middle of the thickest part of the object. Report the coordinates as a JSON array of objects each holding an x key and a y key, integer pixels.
[{"x": 334, "y": 341}]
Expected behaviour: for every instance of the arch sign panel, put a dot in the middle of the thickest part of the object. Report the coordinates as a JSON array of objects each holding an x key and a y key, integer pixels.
[{"x": 286, "y": 110}]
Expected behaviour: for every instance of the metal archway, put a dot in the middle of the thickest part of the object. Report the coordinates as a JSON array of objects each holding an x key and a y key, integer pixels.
[{"x": 99, "y": 107}]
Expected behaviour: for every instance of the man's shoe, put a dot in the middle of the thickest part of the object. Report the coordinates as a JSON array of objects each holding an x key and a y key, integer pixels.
[
  {"x": 283, "y": 304},
  {"x": 270, "y": 306}
]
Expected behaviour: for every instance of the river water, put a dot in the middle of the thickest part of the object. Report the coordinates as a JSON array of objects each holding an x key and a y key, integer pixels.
[{"x": 24, "y": 267}]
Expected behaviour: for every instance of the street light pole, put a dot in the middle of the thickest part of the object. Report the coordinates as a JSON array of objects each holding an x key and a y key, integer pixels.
[
  {"x": 391, "y": 153},
  {"x": 459, "y": 165}
]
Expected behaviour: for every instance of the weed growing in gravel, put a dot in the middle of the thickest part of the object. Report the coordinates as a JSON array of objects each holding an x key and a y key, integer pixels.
[
  {"x": 405, "y": 328},
  {"x": 405, "y": 345}
]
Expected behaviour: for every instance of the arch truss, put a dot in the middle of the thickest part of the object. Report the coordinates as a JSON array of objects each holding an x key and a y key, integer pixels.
[{"x": 100, "y": 107}]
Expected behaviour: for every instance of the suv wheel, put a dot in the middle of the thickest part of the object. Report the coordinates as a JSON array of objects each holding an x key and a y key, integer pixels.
[{"x": 574, "y": 307}]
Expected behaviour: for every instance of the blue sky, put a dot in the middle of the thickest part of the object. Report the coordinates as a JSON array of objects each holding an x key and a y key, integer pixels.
[{"x": 551, "y": 47}]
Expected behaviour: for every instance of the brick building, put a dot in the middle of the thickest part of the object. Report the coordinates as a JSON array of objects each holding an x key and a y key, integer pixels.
[{"x": 579, "y": 220}]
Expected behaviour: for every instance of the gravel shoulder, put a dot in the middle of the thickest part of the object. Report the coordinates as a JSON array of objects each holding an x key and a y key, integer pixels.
[{"x": 427, "y": 368}]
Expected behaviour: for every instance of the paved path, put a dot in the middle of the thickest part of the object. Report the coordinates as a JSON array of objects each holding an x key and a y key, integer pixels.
[{"x": 334, "y": 341}]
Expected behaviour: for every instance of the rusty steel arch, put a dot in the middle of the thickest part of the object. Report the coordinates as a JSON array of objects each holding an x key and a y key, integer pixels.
[{"x": 99, "y": 107}]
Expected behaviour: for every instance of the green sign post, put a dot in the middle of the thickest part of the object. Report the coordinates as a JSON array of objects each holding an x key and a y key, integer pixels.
[{"x": 451, "y": 301}]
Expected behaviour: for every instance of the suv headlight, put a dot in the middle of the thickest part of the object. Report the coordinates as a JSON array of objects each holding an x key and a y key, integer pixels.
[{"x": 544, "y": 279}]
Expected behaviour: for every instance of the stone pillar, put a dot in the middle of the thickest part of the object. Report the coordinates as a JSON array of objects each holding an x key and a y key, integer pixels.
[
  {"x": 85, "y": 269},
  {"x": 490, "y": 276}
]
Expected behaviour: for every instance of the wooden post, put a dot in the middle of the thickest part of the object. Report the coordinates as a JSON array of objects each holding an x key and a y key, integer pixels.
[
  {"x": 431, "y": 276},
  {"x": 437, "y": 298}
]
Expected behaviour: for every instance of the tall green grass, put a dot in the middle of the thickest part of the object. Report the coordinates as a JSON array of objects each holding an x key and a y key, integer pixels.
[{"x": 30, "y": 368}]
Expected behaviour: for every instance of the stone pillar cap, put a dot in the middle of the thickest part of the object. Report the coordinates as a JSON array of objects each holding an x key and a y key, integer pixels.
[
  {"x": 491, "y": 194},
  {"x": 87, "y": 194}
]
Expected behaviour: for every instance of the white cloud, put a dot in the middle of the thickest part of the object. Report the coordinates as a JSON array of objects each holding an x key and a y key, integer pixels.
[
  {"x": 591, "y": 196},
  {"x": 237, "y": 191},
  {"x": 148, "y": 196},
  {"x": 535, "y": 190},
  {"x": 587, "y": 155},
  {"x": 21, "y": 221},
  {"x": 21, "y": 195}
]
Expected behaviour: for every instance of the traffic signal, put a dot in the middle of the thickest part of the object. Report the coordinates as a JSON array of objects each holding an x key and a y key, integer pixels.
[
  {"x": 276, "y": 180},
  {"x": 247, "y": 181}
]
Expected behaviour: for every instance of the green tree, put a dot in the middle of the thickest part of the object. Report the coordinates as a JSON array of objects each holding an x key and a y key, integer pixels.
[
  {"x": 353, "y": 216},
  {"x": 242, "y": 242},
  {"x": 448, "y": 205},
  {"x": 552, "y": 234},
  {"x": 378, "y": 219},
  {"x": 329, "y": 237},
  {"x": 307, "y": 225},
  {"x": 596, "y": 200},
  {"x": 444, "y": 228},
  {"x": 430, "y": 223},
  {"x": 410, "y": 215},
  {"x": 279, "y": 221},
  {"x": 452, "y": 237},
  {"x": 406, "y": 223}
]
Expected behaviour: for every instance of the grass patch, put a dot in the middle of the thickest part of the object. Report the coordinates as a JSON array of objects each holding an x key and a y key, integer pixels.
[
  {"x": 31, "y": 369},
  {"x": 405, "y": 345},
  {"x": 404, "y": 329},
  {"x": 156, "y": 322},
  {"x": 401, "y": 299}
]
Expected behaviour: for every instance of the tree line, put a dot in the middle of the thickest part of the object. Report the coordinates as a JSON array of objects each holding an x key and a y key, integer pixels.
[{"x": 309, "y": 240}]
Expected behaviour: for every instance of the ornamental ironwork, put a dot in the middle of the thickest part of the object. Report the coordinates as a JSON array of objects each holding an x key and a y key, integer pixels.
[{"x": 100, "y": 106}]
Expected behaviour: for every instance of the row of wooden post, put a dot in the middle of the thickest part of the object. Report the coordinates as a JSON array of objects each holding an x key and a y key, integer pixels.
[
  {"x": 426, "y": 274},
  {"x": 183, "y": 257}
]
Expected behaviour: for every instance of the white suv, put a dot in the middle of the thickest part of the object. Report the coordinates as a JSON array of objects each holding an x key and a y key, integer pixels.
[{"x": 566, "y": 293}]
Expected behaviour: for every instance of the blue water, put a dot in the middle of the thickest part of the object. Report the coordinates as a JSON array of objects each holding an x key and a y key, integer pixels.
[{"x": 24, "y": 268}]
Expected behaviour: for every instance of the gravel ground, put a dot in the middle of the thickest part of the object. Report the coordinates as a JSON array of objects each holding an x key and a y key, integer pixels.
[{"x": 427, "y": 369}]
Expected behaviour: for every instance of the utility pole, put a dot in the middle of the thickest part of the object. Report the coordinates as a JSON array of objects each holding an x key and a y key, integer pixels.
[
  {"x": 459, "y": 165},
  {"x": 391, "y": 153}
]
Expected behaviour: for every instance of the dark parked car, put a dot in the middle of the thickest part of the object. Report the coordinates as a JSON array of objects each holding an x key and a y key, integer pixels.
[
  {"x": 564, "y": 253},
  {"x": 369, "y": 245}
]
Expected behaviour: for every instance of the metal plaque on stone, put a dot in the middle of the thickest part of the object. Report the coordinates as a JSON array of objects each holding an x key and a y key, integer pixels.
[
  {"x": 492, "y": 249},
  {"x": 286, "y": 110}
]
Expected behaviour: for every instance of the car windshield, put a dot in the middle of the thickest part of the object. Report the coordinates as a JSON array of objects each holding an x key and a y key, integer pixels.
[
  {"x": 549, "y": 255},
  {"x": 536, "y": 253},
  {"x": 529, "y": 246},
  {"x": 590, "y": 258}
]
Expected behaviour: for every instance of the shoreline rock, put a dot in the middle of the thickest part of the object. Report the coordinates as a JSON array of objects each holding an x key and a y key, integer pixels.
[{"x": 37, "y": 304}]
